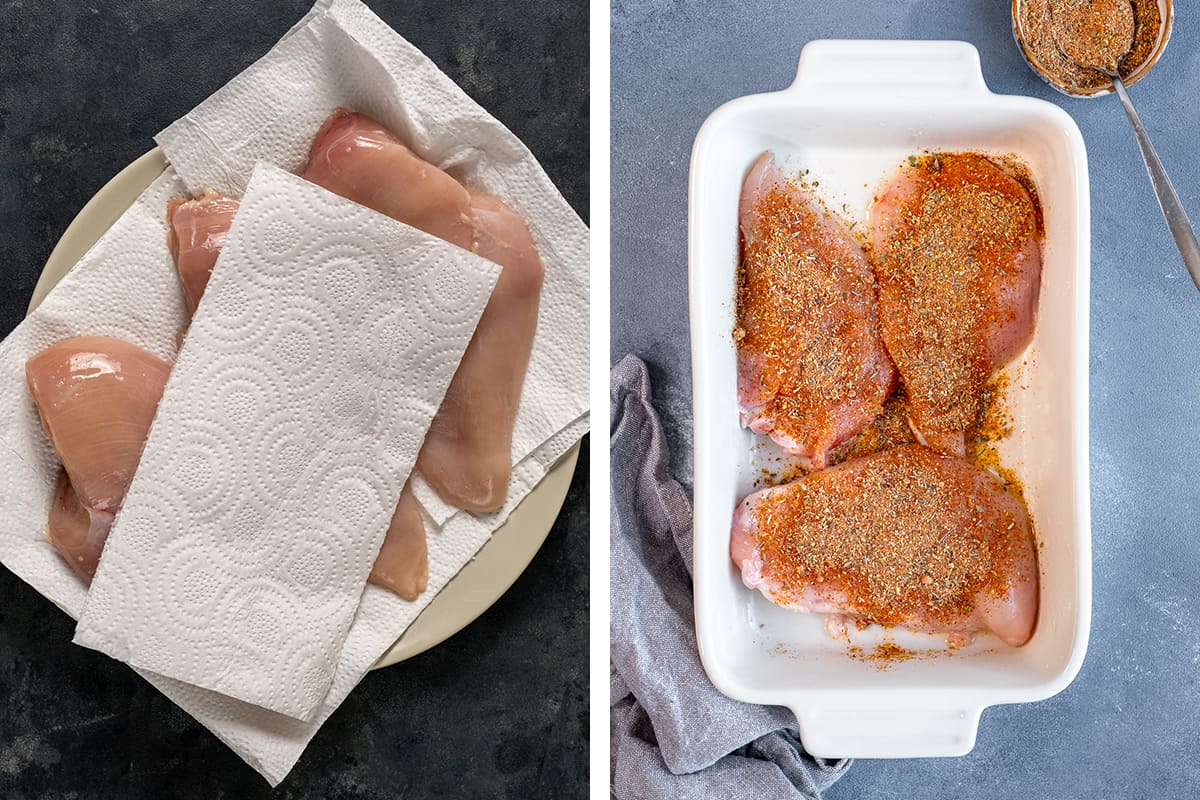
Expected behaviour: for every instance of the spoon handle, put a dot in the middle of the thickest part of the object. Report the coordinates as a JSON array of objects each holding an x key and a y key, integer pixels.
[{"x": 1177, "y": 219}]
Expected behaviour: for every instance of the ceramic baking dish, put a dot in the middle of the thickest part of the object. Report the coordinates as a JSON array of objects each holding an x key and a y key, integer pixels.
[{"x": 855, "y": 111}]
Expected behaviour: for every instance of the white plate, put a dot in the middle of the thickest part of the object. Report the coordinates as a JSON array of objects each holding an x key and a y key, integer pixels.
[
  {"x": 855, "y": 111},
  {"x": 495, "y": 567}
]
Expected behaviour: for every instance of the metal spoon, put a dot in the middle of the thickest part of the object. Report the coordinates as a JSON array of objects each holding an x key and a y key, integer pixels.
[{"x": 1168, "y": 200}]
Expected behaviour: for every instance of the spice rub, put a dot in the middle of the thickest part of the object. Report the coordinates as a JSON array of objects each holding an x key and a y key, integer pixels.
[
  {"x": 957, "y": 254},
  {"x": 889, "y": 429},
  {"x": 906, "y": 536},
  {"x": 1096, "y": 33},
  {"x": 1066, "y": 37},
  {"x": 812, "y": 369}
]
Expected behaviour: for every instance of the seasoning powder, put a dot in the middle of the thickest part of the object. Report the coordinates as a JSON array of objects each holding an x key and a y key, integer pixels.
[{"x": 1089, "y": 31}]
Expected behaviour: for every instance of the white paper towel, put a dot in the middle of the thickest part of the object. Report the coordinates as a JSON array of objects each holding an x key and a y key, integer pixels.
[
  {"x": 324, "y": 344},
  {"x": 125, "y": 286},
  {"x": 341, "y": 54}
]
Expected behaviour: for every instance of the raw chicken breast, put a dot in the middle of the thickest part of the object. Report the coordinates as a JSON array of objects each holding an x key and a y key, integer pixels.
[
  {"x": 96, "y": 397},
  {"x": 906, "y": 536},
  {"x": 812, "y": 369},
  {"x": 356, "y": 157},
  {"x": 403, "y": 561},
  {"x": 77, "y": 532},
  {"x": 957, "y": 253},
  {"x": 197, "y": 234},
  {"x": 467, "y": 455}
]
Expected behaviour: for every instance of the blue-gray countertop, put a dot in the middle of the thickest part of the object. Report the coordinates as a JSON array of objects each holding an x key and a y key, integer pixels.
[
  {"x": 499, "y": 709},
  {"x": 1129, "y": 726}
]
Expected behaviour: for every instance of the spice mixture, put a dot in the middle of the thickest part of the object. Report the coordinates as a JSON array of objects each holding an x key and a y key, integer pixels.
[
  {"x": 1097, "y": 33},
  {"x": 952, "y": 272},
  {"x": 889, "y": 429},
  {"x": 1066, "y": 37}
]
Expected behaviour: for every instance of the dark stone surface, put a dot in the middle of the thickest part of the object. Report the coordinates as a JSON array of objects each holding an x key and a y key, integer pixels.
[
  {"x": 1127, "y": 726},
  {"x": 498, "y": 710}
]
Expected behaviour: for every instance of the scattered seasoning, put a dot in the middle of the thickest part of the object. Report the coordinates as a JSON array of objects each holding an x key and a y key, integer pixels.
[
  {"x": 1120, "y": 33},
  {"x": 887, "y": 653},
  {"x": 906, "y": 537},
  {"x": 994, "y": 425},
  {"x": 889, "y": 429},
  {"x": 807, "y": 333},
  {"x": 954, "y": 272},
  {"x": 788, "y": 471},
  {"x": 883, "y": 656}
]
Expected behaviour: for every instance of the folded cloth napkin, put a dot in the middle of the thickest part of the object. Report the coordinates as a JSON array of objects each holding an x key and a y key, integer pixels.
[{"x": 673, "y": 735}]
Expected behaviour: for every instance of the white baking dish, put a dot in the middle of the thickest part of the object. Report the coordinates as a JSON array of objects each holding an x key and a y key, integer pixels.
[{"x": 854, "y": 112}]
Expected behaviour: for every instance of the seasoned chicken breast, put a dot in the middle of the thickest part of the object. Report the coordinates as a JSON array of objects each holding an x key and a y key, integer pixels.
[
  {"x": 812, "y": 368},
  {"x": 906, "y": 536},
  {"x": 957, "y": 253}
]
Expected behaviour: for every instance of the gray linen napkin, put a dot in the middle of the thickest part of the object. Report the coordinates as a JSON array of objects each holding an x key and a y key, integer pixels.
[{"x": 673, "y": 735}]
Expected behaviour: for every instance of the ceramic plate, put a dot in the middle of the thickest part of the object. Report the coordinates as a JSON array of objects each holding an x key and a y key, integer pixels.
[{"x": 497, "y": 565}]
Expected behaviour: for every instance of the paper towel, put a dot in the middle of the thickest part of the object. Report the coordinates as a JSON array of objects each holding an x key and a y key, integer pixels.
[
  {"x": 125, "y": 286},
  {"x": 341, "y": 54},
  {"x": 322, "y": 348}
]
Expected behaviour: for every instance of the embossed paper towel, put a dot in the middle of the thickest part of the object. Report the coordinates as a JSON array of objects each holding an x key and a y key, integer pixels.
[
  {"x": 126, "y": 287},
  {"x": 322, "y": 348},
  {"x": 341, "y": 54}
]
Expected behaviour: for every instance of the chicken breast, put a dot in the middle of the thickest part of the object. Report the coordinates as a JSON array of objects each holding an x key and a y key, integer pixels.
[
  {"x": 467, "y": 455},
  {"x": 196, "y": 236},
  {"x": 403, "y": 561},
  {"x": 96, "y": 397},
  {"x": 957, "y": 253},
  {"x": 812, "y": 368},
  {"x": 906, "y": 536},
  {"x": 354, "y": 156},
  {"x": 77, "y": 531}
]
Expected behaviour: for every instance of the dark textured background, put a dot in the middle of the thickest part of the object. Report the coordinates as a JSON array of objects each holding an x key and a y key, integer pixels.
[
  {"x": 1129, "y": 726},
  {"x": 500, "y": 708}
]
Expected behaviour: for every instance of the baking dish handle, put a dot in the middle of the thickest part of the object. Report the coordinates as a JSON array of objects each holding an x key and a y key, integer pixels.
[
  {"x": 889, "y": 71},
  {"x": 888, "y": 732}
]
